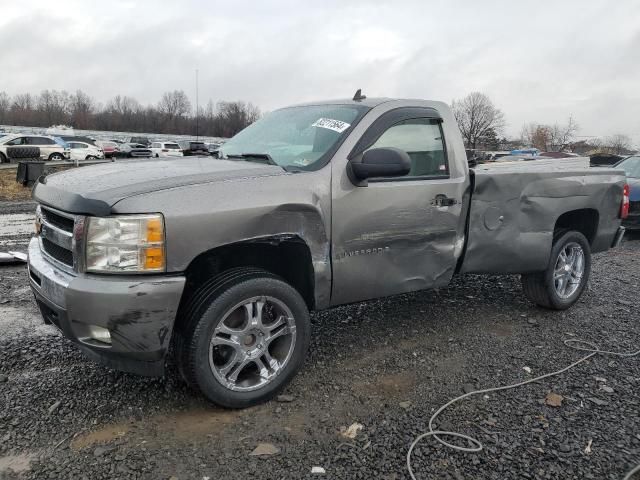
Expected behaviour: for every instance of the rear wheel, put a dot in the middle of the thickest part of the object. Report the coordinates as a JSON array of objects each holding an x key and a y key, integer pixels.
[
  {"x": 566, "y": 276},
  {"x": 245, "y": 335},
  {"x": 56, "y": 156}
]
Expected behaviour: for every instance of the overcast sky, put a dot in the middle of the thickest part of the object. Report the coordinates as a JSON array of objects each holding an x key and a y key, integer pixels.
[{"x": 537, "y": 60}]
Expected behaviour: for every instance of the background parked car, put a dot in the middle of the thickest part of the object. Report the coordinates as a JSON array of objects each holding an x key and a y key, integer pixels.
[
  {"x": 136, "y": 150},
  {"x": 144, "y": 141},
  {"x": 78, "y": 138},
  {"x": 604, "y": 159},
  {"x": 84, "y": 151},
  {"x": 193, "y": 147},
  {"x": 166, "y": 149},
  {"x": 50, "y": 147},
  {"x": 631, "y": 166},
  {"x": 110, "y": 149},
  {"x": 213, "y": 148}
]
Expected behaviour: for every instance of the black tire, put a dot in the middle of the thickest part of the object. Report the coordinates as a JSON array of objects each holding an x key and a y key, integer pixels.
[
  {"x": 204, "y": 311},
  {"x": 56, "y": 157},
  {"x": 540, "y": 287},
  {"x": 91, "y": 157},
  {"x": 157, "y": 156},
  {"x": 3, "y": 158}
]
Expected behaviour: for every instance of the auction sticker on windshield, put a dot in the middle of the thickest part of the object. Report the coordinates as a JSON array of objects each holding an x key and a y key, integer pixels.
[{"x": 335, "y": 125}]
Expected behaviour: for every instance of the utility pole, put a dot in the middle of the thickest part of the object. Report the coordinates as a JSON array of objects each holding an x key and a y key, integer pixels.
[{"x": 197, "y": 108}]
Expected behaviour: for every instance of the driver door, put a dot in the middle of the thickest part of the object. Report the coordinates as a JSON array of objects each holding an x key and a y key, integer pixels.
[{"x": 400, "y": 234}]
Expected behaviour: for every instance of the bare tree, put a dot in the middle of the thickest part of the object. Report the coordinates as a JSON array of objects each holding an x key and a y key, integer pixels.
[
  {"x": 235, "y": 116},
  {"x": 476, "y": 115},
  {"x": 549, "y": 138},
  {"x": 174, "y": 104},
  {"x": 22, "y": 109},
  {"x": 5, "y": 106},
  {"x": 562, "y": 135},
  {"x": 617, "y": 144},
  {"x": 172, "y": 115},
  {"x": 81, "y": 110},
  {"x": 53, "y": 107}
]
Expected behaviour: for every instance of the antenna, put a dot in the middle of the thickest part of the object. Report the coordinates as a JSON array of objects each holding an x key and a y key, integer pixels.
[
  {"x": 197, "y": 108},
  {"x": 358, "y": 96}
]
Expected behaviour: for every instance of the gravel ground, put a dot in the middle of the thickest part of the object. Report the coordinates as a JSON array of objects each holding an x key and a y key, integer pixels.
[{"x": 385, "y": 364}]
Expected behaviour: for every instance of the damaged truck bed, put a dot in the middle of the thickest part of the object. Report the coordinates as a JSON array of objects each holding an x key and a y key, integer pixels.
[{"x": 312, "y": 206}]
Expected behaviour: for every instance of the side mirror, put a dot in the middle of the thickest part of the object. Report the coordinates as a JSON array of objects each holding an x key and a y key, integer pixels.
[{"x": 382, "y": 162}]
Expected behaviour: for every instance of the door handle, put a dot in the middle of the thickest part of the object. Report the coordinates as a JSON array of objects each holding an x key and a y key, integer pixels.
[{"x": 443, "y": 201}]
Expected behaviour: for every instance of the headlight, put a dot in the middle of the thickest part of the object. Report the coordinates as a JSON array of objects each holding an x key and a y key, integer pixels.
[{"x": 128, "y": 243}]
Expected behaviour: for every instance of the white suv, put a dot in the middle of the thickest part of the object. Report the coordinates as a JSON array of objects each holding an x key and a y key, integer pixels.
[
  {"x": 166, "y": 149},
  {"x": 50, "y": 147}
]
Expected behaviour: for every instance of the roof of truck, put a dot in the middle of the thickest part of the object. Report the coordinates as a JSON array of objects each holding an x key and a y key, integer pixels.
[{"x": 368, "y": 102}]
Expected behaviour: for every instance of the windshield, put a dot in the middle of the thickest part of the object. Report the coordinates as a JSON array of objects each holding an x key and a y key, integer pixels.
[
  {"x": 631, "y": 165},
  {"x": 297, "y": 137},
  {"x": 61, "y": 142}
]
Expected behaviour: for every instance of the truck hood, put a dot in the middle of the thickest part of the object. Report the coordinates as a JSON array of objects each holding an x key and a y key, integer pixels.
[{"x": 94, "y": 190}]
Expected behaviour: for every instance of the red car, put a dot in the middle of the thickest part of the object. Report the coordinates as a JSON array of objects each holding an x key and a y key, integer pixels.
[{"x": 110, "y": 149}]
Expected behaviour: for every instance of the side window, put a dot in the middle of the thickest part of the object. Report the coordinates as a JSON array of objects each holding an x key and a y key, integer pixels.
[
  {"x": 17, "y": 141},
  {"x": 40, "y": 141},
  {"x": 423, "y": 141}
]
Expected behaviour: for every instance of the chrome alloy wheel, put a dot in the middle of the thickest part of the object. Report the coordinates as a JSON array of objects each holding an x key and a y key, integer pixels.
[
  {"x": 252, "y": 343},
  {"x": 568, "y": 270}
]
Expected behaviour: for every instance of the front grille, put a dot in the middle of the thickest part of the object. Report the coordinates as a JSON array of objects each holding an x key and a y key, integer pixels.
[
  {"x": 63, "y": 223},
  {"x": 56, "y": 251}
]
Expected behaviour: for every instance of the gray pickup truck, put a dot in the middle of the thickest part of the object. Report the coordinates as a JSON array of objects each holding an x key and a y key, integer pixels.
[{"x": 312, "y": 206}]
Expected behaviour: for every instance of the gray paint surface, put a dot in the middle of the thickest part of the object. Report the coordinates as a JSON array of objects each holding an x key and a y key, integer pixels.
[
  {"x": 513, "y": 214},
  {"x": 365, "y": 241}
]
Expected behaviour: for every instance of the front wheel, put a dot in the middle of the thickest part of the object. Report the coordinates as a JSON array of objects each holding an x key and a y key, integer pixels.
[
  {"x": 245, "y": 335},
  {"x": 566, "y": 276},
  {"x": 56, "y": 157}
]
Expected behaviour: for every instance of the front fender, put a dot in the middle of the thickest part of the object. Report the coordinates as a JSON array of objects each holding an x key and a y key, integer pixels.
[{"x": 200, "y": 218}]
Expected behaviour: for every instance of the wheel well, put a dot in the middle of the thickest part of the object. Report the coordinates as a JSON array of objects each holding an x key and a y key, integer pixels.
[
  {"x": 584, "y": 221},
  {"x": 288, "y": 257}
]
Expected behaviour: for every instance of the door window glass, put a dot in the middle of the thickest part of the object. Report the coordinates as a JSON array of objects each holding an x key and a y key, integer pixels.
[
  {"x": 423, "y": 141},
  {"x": 40, "y": 141}
]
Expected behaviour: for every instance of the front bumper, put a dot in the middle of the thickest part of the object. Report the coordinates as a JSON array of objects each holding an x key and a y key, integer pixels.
[{"x": 139, "y": 312}]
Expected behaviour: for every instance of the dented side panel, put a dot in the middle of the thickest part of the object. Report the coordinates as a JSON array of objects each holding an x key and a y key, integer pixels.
[
  {"x": 390, "y": 237},
  {"x": 201, "y": 217},
  {"x": 513, "y": 214}
]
